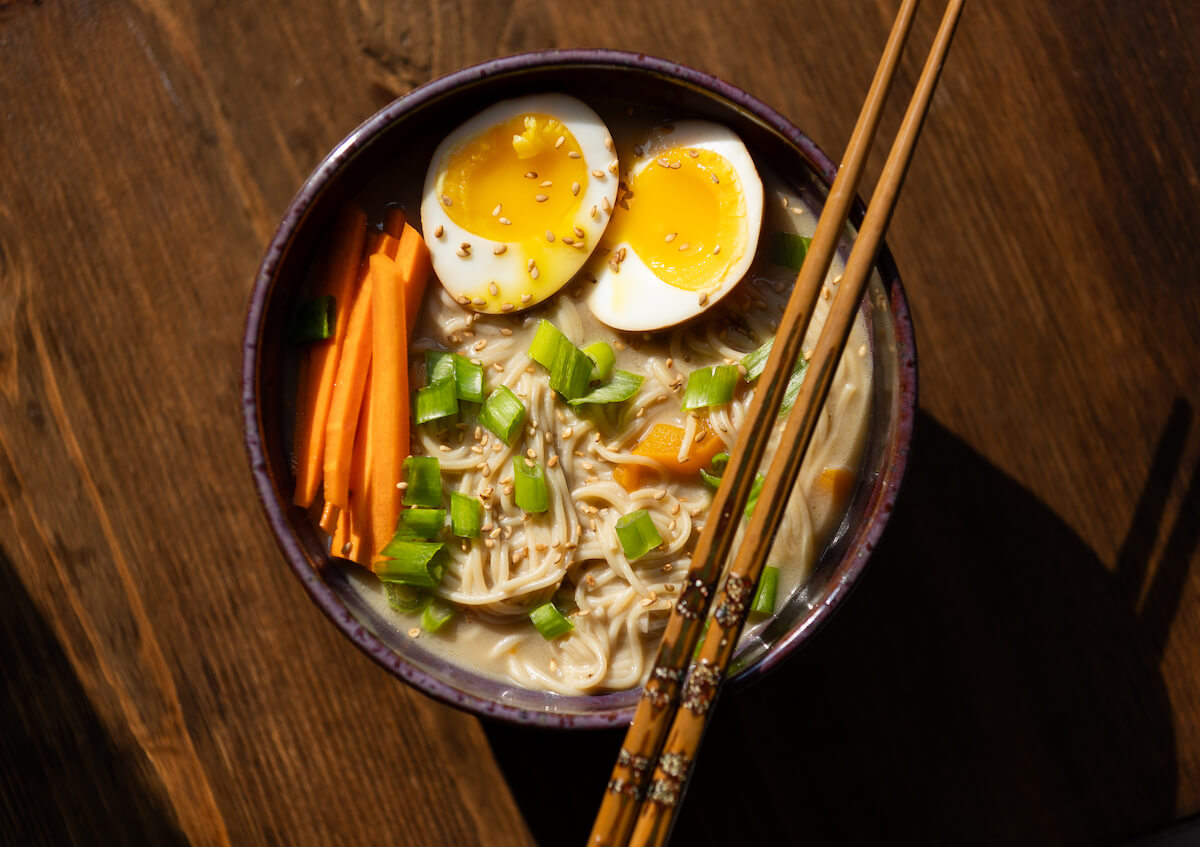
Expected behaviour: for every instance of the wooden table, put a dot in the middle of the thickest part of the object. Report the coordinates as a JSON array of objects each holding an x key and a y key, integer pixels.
[{"x": 1021, "y": 663}]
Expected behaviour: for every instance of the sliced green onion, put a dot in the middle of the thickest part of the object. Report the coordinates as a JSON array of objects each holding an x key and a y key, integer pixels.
[
  {"x": 403, "y": 598},
  {"x": 467, "y": 376},
  {"x": 545, "y": 344},
  {"x": 550, "y": 621},
  {"x": 435, "y": 401},
  {"x": 789, "y": 249},
  {"x": 603, "y": 359},
  {"x": 700, "y": 640},
  {"x": 529, "y": 486},
  {"x": 420, "y": 523},
  {"x": 466, "y": 515},
  {"x": 638, "y": 534},
  {"x": 620, "y": 388},
  {"x": 752, "y": 500},
  {"x": 314, "y": 320},
  {"x": 423, "y": 476},
  {"x": 570, "y": 370},
  {"x": 435, "y": 615},
  {"x": 795, "y": 380},
  {"x": 710, "y": 386},
  {"x": 718, "y": 463},
  {"x": 764, "y": 597},
  {"x": 502, "y": 414},
  {"x": 439, "y": 365},
  {"x": 417, "y": 563},
  {"x": 755, "y": 362}
]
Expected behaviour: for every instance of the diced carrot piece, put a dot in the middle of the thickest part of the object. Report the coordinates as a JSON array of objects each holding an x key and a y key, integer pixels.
[
  {"x": 838, "y": 483},
  {"x": 338, "y": 277},
  {"x": 662, "y": 442}
]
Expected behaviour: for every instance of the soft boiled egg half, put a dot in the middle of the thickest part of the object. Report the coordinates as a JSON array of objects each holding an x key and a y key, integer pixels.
[
  {"x": 516, "y": 199},
  {"x": 684, "y": 231}
]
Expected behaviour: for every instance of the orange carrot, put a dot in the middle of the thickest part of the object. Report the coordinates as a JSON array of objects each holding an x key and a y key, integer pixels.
[
  {"x": 338, "y": 276},
  {"x": 394, "y": 221},
  {"x": 345, "y": 405},
  {"x": 414, "y": 284},
  {"x": 662, "y": 443},
  {"x": 838, "y": 483},
  {"x": 359, "y": 514}
]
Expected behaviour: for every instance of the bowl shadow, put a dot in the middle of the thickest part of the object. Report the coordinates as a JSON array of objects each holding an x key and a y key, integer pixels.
[{"x": 992, "y": 681}]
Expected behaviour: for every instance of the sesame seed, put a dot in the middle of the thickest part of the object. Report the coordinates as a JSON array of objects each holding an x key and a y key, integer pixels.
[
  {"x": 675, "y": 509},
  {"x": 590, "y": 580},
  {"x": 695, "y": 154},
  {"x": 480, "y": 344},
  {"x": 574, "y": 154},
  {"x": 717, "y": 249},
  {"x": 669, "y": 588},
  {"x": 605, "y": 205},
  {"x": 485, "y": 469},
  {"x": 506, "y": 307},
  {"x": 446, "y": 201},
  {"x": 479, "y": 301},
  {"x": 475, "y": 448},
  {"x": 684, "y": 246},
  {"x": 620, "y": 346},
  {"x": 552, "y": 462},
  {"x": 497, "y": 447},
  {"x": 488, "y": 543},
  {"x": 550, "y": 236},
  {"x": 529, "y": 463},
  {"x": 579, "y": 233},
  {"x": 504, "y": 221},
  {"x": 862, "y": 351},
  {"x": 670, "y": 362},
  {"x": 414, "y": 632},
  {"x": 508, "y": 490},
  {"x": 646, "y": 601},
  {"x": 560, "y": 141},
  {"x": 837, "y": 279},
  {"x": 676, "y": 165},
  {"x": 608, "y": 144},
  {"x": 546, "y": 184},
  {"x": 500, "y": 249},
  {"x": 492, "y": 287},
  {"x": 445, "y": 448},
  {"x": 575, "y": 189},
  {"x": 531, "y": 174},
  {"x": 463, "y": 299},
  {"x": 703, "y": 298},
  {"x": 525, "y": 298},
  {"x": 613, "y": 166},
  {"x": 531, "y": 453},
  {"x": 588, "y": 466},
  {"x": 541, "y": 198},
  {"x": 534, "y": 273},
  {"x": 568, "y": 240},
  {"x": 439, "y": 232},
  {"x": 825, "y": 292},
  {"x": 598, "y": 174},
  {"x": 505, "y": 330},
  {"x": 714, "y": 178},
  {"x": 699, "y": 437},
  {"x": 568, "y": 432},
  {"x": 592, "y": 213},
  {"x": 496, "y": 211},
  {"x": 785, "y": 202}
]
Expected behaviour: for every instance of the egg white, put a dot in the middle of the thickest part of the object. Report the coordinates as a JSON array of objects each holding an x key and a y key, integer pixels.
[
  {"x": 471, "y": 278},
  {"x": 631, "y": 296}
]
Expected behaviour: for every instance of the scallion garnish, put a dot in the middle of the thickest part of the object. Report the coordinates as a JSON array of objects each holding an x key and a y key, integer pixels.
[
  {"x": 466, "y": 515},
  {"x": 752, "y": 500},
  {"x": 755, "y": 362},
  {"x": 550, "y": 621},
  {"x": 435, "y": 401},
  {"x": 423, "y": 478},
  {"x": 570, "y": 370},
  {"x": 603, "y": 359},
  {"x": 502, "y": 414},
  {"x": 403, "y": 598},
  {"x": 620, "y": 388},
  {"x": 420, "y": 523},
  {"x": 417, "y": 563},
  {"x": 793, "y": 386},
  {"x": 713, "y": 481},
  {"x": 789, "y": 249},
  {"x": 638, "y": 534},
  {"x": 529, "y": 486},
  {"x": 467, "y": 376},
  {"x": 435, "y": 615},
  {"x": 313, "y": 320},
  {"x": 764, "y": 597},
  {"x": 710, "y": 386}
]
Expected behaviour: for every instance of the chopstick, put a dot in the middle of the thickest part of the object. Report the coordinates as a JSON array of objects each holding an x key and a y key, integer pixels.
[
  {"x": 644, "y": 738},
  {"x": 707, "y": 675}
]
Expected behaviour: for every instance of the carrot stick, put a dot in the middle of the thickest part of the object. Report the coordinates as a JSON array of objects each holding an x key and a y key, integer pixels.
[
  {"x": 414, "y": 284},
  {"x": 394, "y": 221},
  {"x": 338, "y": 276},
  {"x": 359, "y": 513},
  {"x": 344, "y": 407},
  {"x": 390, "y": 440}
]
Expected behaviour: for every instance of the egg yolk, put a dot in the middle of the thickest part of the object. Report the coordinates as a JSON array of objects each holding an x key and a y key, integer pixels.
[
  {"x": 517, "y": 181},
  {"x": 684, "y": 215}
]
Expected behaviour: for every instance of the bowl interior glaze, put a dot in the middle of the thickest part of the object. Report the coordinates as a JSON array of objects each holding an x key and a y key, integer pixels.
[{"x": 402, "y": 136}]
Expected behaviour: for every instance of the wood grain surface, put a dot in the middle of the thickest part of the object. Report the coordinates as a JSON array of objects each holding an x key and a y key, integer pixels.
[{"x": 1020, "y": 663}]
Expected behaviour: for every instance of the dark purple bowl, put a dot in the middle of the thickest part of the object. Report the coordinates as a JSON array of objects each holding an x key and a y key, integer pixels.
[{"x": 403, "y": 135}]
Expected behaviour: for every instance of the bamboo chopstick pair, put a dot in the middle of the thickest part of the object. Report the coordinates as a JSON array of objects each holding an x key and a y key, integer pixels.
[{"x": 649, "y": 778}]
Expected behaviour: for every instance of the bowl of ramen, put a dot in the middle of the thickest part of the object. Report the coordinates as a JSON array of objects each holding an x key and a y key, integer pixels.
[{"x": 497, "y": 355}]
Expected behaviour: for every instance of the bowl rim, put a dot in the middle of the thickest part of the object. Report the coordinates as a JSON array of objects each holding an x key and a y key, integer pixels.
[{"x": 875, "y": 516}]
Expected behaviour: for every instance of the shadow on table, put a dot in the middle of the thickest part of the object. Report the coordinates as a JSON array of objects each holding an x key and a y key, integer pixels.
[
  {"x": 63, "y": 778},
  {"x": 990, "y": 681}
]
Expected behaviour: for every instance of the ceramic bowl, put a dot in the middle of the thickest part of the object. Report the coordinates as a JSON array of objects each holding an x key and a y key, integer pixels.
[{"x": 404, "y": 134}]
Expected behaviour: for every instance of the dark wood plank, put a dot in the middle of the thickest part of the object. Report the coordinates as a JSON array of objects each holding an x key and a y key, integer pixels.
[{"x": 1018, "y": 665}]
